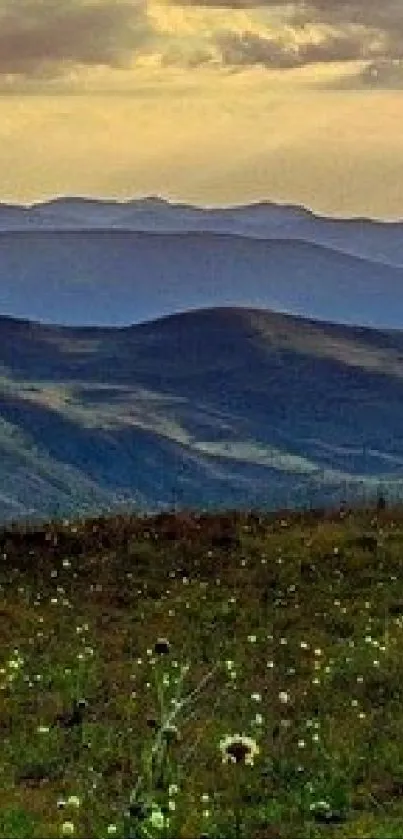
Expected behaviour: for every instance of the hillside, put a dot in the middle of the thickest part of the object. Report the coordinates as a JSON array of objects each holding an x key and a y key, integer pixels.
[
  {"x": 116, "y": 278},
  {"x": 225, "y": 407}
]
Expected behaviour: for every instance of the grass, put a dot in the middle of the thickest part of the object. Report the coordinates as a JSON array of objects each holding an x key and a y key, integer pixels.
[{"x": 203, "y": 675}]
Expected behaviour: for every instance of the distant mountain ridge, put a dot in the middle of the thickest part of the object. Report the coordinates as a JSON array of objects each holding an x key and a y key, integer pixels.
[
  {"x": 370, "y": 239},
  {"x": 222, "y": 407},
  {"x": 117, "y": 277}
]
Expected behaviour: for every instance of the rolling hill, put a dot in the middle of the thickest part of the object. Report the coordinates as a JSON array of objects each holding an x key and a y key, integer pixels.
[{"x": 219, "y": 407}]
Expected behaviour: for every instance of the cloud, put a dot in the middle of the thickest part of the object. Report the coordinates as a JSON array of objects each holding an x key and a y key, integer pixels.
[
  {"x": 368, "y": 13},
  {"x": 44, "y": 38},
  {"x": 47, "y": 42},
  {"x": 312, "y": 31},
  {"x": 385, "y": 19},
  {"x": 381, "y": 34},
  {"x": 196, "y": 57},
  {"x": 249, "y": 48}
]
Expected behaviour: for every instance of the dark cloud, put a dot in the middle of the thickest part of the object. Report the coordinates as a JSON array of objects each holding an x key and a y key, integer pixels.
[
  {"x": 378, "y": 23},
  {"x": 46, "y": 37},
  {"x": 384, "y": 17},
  {"x": 353, "y": 30},
  {"x": 384, "y": 14},
  {"x": 249, "y": 48},
  {"x": 174, "y": 56}
]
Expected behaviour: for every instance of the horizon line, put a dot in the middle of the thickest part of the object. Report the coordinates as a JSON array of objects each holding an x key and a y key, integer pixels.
[{"x": 177, "y": 202}]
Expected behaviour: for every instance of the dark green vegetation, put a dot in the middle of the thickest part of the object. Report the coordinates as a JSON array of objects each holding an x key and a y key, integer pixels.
[
  {"x": 215, "y": 408},
  {"x": 285, "y": 628}
]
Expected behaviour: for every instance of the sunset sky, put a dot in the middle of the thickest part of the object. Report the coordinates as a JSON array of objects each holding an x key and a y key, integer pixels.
[{"x": 214, "y": 103}]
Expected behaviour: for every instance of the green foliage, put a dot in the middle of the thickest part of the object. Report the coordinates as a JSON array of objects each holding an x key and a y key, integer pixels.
[{"x": 17, "y": 823}]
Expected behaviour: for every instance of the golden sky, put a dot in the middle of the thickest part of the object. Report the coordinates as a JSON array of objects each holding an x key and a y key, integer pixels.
[{"x": 221, "y": 102}]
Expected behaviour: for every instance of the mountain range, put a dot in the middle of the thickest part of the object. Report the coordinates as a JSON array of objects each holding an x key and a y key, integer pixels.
[
  {"x": 77, "y": 261},
  {"x": 368, "y": 238},
  {"x": 223, "y": 407}
]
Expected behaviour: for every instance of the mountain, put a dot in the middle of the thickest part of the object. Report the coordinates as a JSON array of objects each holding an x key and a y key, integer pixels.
[
  {"x": 222, "y": 407},
  {"x": 116, "y": 278},
  {"x": 367, "y": 238}
]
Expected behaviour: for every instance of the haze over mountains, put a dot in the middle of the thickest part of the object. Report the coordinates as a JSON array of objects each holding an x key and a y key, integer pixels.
[
  {"x": 77, "y": 261},
  {"x": 370, "y": 239},
  {"x": 142, "y": 363},
  {"x": 221, "y": 407}
]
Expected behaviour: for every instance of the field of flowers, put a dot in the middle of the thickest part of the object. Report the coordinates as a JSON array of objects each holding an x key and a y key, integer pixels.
[{"x": 203, "y": 675}]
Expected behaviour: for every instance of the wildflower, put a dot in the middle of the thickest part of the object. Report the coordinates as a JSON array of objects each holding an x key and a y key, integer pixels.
[
  {"x": 157, "y": 818},
  {"x": 73, "y": 801},
  {"x": 68, "y": 828},
  {"x": 319, "y": 805},
  {"x": 284, "y": 696},
  {"x": 111, "y": 829},
  {"x": 238, "y": 748}
]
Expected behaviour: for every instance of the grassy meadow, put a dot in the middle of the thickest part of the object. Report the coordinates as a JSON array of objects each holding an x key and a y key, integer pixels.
[{"x": 203, "y": 675}]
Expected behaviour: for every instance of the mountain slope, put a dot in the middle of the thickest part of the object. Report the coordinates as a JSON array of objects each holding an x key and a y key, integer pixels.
[
  {"x": 115, "y": 278},
  {"x": 223, "y": 407}
]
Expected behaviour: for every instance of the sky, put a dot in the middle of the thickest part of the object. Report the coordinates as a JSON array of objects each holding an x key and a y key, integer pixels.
[{"x": 213, "y": 103}]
